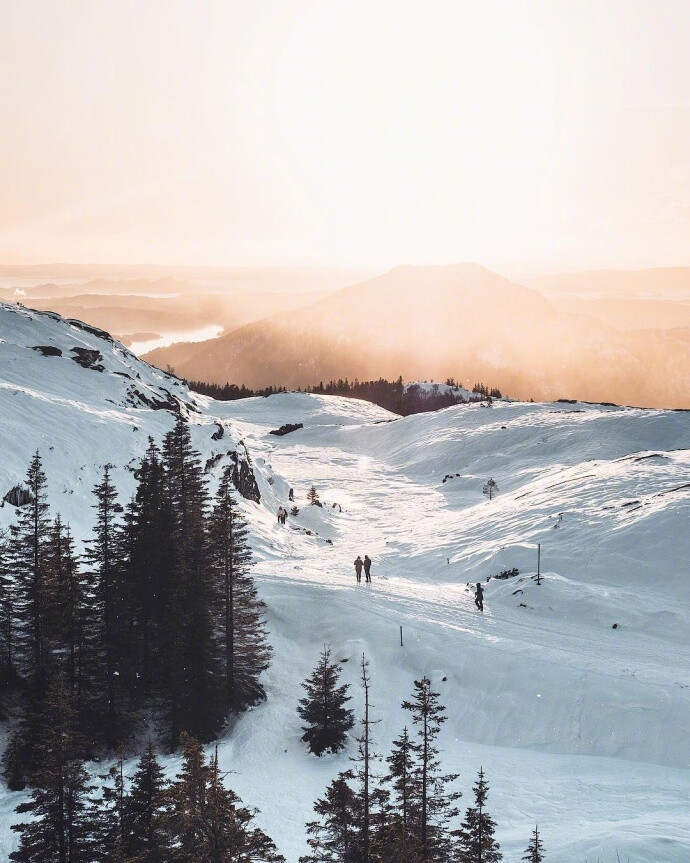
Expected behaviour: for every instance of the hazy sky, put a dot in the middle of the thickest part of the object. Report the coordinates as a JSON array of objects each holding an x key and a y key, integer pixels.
[{"x": 368, "y": 133}]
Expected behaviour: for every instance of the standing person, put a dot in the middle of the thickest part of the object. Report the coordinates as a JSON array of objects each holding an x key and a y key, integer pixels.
[
  {"x": 358, "y": 568},
  {"x": 280, "y": 515},
  {"x": 479, "y": 597},
  {"x": 367, "y": 567}
]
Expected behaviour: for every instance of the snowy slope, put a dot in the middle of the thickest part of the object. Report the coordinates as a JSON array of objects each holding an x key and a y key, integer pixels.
[{"x": 579, "y": 726}]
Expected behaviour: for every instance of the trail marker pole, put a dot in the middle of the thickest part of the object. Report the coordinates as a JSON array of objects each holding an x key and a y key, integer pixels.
[
  {"x": 538, "y": 563},
  {"x": 401, "y": 642}
]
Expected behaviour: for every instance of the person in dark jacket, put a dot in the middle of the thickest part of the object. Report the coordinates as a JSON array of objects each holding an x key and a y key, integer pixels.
[
  {"x": 479, "y": 597},
  {"x": 358, "y": 568},
  {"x": 367, "y": 567}
]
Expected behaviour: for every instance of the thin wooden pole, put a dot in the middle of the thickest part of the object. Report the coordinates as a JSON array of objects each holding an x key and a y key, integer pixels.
[
  {"x": 401, "y": 641},
  {"x": 538, "y": 563}
]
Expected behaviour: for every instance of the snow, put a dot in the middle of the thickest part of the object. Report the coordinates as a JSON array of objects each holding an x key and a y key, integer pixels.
[{"x": 579, "y": 726}]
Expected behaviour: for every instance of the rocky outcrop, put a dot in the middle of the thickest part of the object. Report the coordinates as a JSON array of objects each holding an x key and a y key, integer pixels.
[
  {"x": 17, "y": 496},
  {"x": 243, "y": 477},
  {"x": 47, "y": 350},
  {"x": 88, "y": 358},
  {"x": 287, "y": 428}
]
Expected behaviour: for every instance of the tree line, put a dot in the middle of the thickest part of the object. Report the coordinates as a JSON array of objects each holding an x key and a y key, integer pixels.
[
  {"x": 142, "y": 818},
  {"x": 406, "y": 812},
  {"x": 394, "y": 396},
  {"x": 156, "y": 626}
]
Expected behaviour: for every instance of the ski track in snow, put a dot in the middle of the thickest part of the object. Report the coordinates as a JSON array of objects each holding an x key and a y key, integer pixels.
[{"x": 580, "y": 727}]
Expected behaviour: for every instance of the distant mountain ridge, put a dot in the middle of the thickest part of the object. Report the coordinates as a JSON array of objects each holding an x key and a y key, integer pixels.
[{"x": 460, "y": 321}]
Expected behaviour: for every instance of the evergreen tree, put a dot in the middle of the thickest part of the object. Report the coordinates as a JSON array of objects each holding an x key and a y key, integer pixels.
[
  {"x": 105, "y": 561},
  {"x": 206, "y": 821},
  {"x": 476, "y": 843},
  {"x": 60, "y": 829},
  {"x": 323, "y": 708},
  {"x": 535, "y": 849},
  {"x": 151, "y": 560},
  {"x": 28, "y": 546},
  {"x": 146, "y": 840},
  {"x": 313, "y": 497},
  {"x": 436, "y": 800},
  {"x": 192, "y": 670},
  {"x": 66, "y": 605},
  {"x": 26, "y": 637},
  {"x": 186, "y": 798},
  {"x": 363, "y": 772},
  {"x": 337, "y": 836},
  {"x": 6, "y": 611},
  {"x": 110, "y": 822},
  {"x": 239, "y": 610},
  {"x": 399, "y": 837},
  {"x": 229, "y": 834}
]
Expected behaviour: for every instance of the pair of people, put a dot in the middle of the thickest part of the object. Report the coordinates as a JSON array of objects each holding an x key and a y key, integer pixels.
[
  {"x": 363, "y": 565},
  {"x": 282, "y": 515}
]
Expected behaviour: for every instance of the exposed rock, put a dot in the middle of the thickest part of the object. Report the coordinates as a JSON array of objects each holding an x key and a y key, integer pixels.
[
  {"x": 212, "y": 462},
  {"x": 88, "y": 358},
  {"x": 287, "y": 428},
  {"x": 47, "y": 350},
  {"x": 243, "y": 478},
  {"x": 218, "y": 433},
  {"x": 17, "y": 496}
]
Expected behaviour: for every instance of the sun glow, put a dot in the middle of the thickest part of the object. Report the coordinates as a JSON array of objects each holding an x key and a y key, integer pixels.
[{"x": 359, "y": 133}]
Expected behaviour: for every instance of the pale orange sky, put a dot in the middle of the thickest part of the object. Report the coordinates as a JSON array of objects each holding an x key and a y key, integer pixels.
[{"x": 366, "y": 133}]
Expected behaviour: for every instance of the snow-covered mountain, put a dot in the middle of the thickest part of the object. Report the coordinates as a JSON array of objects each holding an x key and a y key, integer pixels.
[{"x": 574, "y": 694}]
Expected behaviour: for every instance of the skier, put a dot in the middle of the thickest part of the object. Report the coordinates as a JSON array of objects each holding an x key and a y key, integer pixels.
[
  {"x": 479, "y": 597},
  {"x": 358, "y": 568},
  {"x": 367, "y": 567}
]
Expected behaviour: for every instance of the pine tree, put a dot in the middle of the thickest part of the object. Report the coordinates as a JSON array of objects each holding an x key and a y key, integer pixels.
[
  {"x": 192, "y": 670},
  {"x": 313, "y": 497},
  {"x": 239, "y": 610},
  {"x": 105, "y": 561},
  {"x": 476, "y": 843},
  {"x": 151, "y": 560},
  {"x": 535, "y": 849},
  {"x": 399, "y": 837},
  {"x": 66, "y": 608},
  {"x": 229, "y": 833},
  {"x": 186, "y": 798},
  {"x": 26, "y": 638},
  {"x": 28, "y": 544},
  {"x": 111, "y": 825},
  {"x": 206, "y": 821},
  {"x": 323, "y": 708},
  {"x": 436, "y": 800},
  {"x": 363, "y": 772},
  {"x": 6, "y": 610},
  {"x": 337, "y": 836},
  {"x": 60, "y": 829},
  {"x": 147, "y": 841}
]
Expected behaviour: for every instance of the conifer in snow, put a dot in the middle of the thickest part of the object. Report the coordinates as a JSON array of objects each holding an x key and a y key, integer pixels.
[
  {"x": 144, "y": 811},
  {"x": 106, "y": 565},
  {"x": 535, "y": 849},
  {"x": 192, "y": 670},
  {"x": 476, "y": 843},
  {"x": 27, "y": 553},
  {"x": 239, "y": 611},
  {"x": 337, "y": 836},
  {"x": 323, "y": 709},
  {"x": 61, "y": 826},
  {"x": 313, "y": 497},
  {"x": 436, "y": 804}
]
